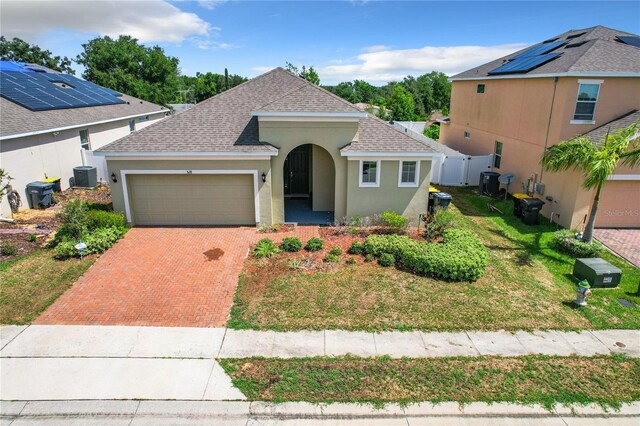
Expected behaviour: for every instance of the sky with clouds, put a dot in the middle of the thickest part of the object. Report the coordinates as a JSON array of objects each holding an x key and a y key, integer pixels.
[{"x": 376, "y": 41}]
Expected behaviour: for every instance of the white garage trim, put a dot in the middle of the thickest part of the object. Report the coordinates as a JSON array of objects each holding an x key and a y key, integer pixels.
[{"x": 125, "y": 190}]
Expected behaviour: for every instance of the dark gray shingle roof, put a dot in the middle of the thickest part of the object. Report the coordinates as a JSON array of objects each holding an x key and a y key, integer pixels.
[
  {"x": 601, "y": 52},
  {"x": 223, "y": 123},
  {"x": 17, "y": 119},
  {"x": 598, "y": 134}
]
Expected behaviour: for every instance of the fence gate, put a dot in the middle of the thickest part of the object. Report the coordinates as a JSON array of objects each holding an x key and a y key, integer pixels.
[
  {"x": 453, "y": 171},
  {"x": 476, "y": 165}
]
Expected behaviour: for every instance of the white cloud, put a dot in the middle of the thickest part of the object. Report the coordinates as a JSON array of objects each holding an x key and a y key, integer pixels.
[
  {"x": 380, "y": 64},
  {"x": 376, "y": 48},
  {"x": 206, "y": 44},
  {"x": 148, "y": 21},
  {"x": 211, "y": 4}
]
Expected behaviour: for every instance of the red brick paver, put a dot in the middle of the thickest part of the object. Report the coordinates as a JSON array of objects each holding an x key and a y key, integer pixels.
[
  {"x": 163, "y": 277},
  {"x": 624, "y": 242}
]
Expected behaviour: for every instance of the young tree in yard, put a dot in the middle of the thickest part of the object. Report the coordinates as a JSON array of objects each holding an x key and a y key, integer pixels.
[
  {"x": 595, "y": 162},
  {"x": 5, "y": 183},
  {"x": 19, "y": 50},
  {"x": 125, "y": 65},
  {"x": 433, "y": 132},
  {"x": 401, "y": 104}
]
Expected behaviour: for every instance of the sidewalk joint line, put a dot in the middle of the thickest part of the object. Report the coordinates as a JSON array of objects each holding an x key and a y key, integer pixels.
[
  {"x": 224, "y": 336},
  {"x": 15, "y": 337},
  {"x": 375, "y": 345},
  {"x": 135, "y": 413},
  {"x": 472, "y": 343}
]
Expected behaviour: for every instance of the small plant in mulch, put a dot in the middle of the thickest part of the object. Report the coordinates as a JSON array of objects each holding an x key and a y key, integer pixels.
[
  {"x": 335, "y": 251},
  {"x": 386, "y": 259},
  {"x": 369, "y": 257},
  {"x": 265, "y": 248},
  {"x": 350, "y": 261},
  {"x": 356, "y": 248},
  {"x": 314, "y": 244},
  {"x": 8, "y": 250},
  {"x": 291, "y": 244},
  {"x": 331, "y": 258},
  {"x": 33, "y": 238}
]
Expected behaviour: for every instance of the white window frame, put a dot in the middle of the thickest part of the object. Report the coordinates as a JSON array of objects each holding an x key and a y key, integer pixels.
[
  {"x": 375, "y": 184},
  {"x": 413, "y": 184},
  {"x": 593, "y": 120},
  {"x": 88, "y": 148}
]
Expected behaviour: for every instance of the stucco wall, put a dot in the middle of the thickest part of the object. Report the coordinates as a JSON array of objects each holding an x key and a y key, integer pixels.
[
  {"x": 261, "y": 166},
  {"x": 323, "y": 179},
  {"x": 516, "y": 112},
  {"x": 32, "y": 158},
  {"x": 288, "y": 135},
  {"x": 408, "y": 201}
]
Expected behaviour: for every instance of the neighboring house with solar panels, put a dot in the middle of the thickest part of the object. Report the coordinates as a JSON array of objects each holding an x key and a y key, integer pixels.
[
  {"x": 580, "y": 82},
  {"x": 49, "y": 123}
]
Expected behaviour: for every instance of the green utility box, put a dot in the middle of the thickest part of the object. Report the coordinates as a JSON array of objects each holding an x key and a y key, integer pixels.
[{"x": 599, "y": 273}]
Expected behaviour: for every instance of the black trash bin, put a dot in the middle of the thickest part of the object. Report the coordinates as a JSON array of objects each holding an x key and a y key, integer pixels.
[
  {"x": 441, "y": 199},
  {"x": 530, "y": 210},
  {"x": 518, "y": 204},
  {"x": 40, "y": 194}
]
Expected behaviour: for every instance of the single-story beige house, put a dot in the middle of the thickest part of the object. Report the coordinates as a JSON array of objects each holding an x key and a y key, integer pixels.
[{"x": 272, "y": 150}]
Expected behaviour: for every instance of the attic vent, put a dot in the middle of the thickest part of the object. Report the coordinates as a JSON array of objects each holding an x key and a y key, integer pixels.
[
  {"x": 572, "y": 36},
  {"x": 550, "y": 40},
  {"x": 63, "y": 85},
  {"x": 579, "y": 43}
]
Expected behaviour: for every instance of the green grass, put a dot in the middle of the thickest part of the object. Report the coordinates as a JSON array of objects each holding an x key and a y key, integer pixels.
[
  {"x": 605, "y": 380},
  {"x": 526, "y": 286},
  {"x": 30, "y": 283}
]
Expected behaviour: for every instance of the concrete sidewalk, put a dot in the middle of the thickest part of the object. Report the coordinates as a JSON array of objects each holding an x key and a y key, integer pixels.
[
  {"x": 261, "y": 413},
  {"x": 53, "y": 341}
]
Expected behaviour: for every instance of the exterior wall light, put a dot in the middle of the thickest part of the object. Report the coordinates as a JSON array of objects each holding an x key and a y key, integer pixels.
[
  {"x": 114, "y": 179},
  {"x": 264, "y": 177}
]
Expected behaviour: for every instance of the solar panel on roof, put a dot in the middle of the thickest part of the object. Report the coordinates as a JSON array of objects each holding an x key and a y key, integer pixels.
[
  {"x": 540, "y": 49},
  {"x": 46, "y": 91},
  {"x": 630, "y": 40},
  {"x": 523, "y": 64}
]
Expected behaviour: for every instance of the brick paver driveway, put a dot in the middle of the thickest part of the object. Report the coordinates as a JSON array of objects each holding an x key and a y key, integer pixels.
[
  {"x": 162, "y": 277},
  {"x": 624, "y": 242}
]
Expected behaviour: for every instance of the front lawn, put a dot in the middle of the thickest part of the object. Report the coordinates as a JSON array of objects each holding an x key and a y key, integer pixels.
[
  {"x": 606, "y": 380},
  {"x": 526, "y": 286},
  {"x": 29, "y": 284}
]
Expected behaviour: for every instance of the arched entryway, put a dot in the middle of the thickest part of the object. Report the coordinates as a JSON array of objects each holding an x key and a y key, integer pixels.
[{"x": 309, "y": 185}]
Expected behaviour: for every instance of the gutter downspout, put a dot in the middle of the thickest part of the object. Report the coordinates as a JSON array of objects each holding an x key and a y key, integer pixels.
[{"x": 553, "y": 101}]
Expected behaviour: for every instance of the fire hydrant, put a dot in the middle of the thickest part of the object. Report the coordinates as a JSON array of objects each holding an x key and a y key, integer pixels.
[{"x": 582, "y": 292}]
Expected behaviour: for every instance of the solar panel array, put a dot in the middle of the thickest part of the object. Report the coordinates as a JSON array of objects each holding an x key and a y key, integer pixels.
[
  {"x": 47, "y": 91},
  {"x": 523, "y": 64},
  {"x": 630, "y": 40},
  {"x": 540, "y": 49}
]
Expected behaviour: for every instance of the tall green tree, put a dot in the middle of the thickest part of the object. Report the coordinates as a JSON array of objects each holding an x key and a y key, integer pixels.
[
  {"x": 205, "y": 85},
  {"x": 19, "y": 50},
  {"x": 436, "y": 91},
  {"x": 127, "y": 66},
  {"x": 308, "y": 74},
  {"x": 595, "y": 162},
  {"x": 411, "y": 84},
  {"x": 401, "y": 104}
]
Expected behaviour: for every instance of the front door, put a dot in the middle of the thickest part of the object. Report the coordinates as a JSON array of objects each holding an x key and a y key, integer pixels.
[{"x": 296, "y": 171}]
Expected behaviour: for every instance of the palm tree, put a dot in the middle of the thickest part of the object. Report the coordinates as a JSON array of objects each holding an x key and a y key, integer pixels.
[{"x": 596, "y": 162}]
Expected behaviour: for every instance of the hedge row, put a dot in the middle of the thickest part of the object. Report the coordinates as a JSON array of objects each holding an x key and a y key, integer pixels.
[{"x": 460, "y": 257}]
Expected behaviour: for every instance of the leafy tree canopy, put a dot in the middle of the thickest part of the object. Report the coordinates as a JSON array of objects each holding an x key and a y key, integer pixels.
[
  {"x": 308, "y": 74},
  {"x": 125, "y": 65},
  {"x": 433, "y": 132},
  {"x": 204, "y": 85},
  {"x": 401, "y": 104},
  {"x": 19, "y": 50}
]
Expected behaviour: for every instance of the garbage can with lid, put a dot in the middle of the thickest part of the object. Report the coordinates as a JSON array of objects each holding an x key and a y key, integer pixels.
[
  {"x": 55, "y": 182},
  {"x": 530, "y": 210},
  {"x": 517, "y": 203},
  {"x": 432, "y": 190},
  {"x": 441, "y": 199},
  {"x": 39, "y": 194}
]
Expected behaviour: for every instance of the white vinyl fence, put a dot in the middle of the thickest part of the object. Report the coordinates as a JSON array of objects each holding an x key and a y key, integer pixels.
[
  {"x": 99, "y": 162},
  {"x": 451, "y": 168}
]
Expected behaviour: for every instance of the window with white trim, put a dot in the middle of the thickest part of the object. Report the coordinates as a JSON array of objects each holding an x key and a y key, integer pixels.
[
  {"x": 408, "y": 173},
  {"x": 370, "y": 173},
  {"x": 586, "y": 102},
  {"x": 84, "y": 140}
]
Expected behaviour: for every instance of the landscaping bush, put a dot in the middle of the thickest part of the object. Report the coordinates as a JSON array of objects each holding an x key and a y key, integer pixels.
[
  {"x": 460, "y": 257},
  {"x": 100, "y": 206},
  {"x": 356, "y": 248},
  {"x": 33, "y": 238},
  {"x": 386, "y": 259},
  {"x": 73, "y": 216},
  {"x": 101, "y": 239},
  {"x": 336, "y": 251},
  {"x": 565, "y": 241},
  {"x": 369, "y": 257},
  {"x": 291, "y": 244},
  {"x": 331, "y": 258},
  {"x": 95, "y": 219},
  {"x": 65, "y": 250},
  {"x": 265, "y": 248},
  {"x": 438, "y": 222},
  {"x": 314, "y": 244},
  {"x": 395, "y": 222},
  {"x": 8, "y": 250}
]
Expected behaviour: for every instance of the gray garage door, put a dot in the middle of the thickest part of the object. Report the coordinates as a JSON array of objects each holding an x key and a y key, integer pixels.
[{"x": 192, "y": 199}]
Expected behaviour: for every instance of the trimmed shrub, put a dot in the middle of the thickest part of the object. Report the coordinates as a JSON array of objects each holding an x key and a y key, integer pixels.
[
  {"x": 356, "y": 248},
  {"x": 395, "y": 222},
  {"x": 65, "y": 250},
  {"x": 265, "y": 248},
  {"x": 314, "y": 244},
  {"x": 565, "y": 241},
  {"x": 369, "y": 257},
  {"x": 101, "y": 239},
  {"x": 336, "y": 251},
  {"x": 386, "y": 259},
  {"x": 100, "y": 206},
  {"x": 103, "y": 219},
  {"x": 439, "y": 221},
  {"x": 73, "y": 216},
  {"x": 291, "y": 244},
  {"x": 460, "y": 257},
  {"x": 331, "y": 258},
  {"x": 8, "y": 250}
]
